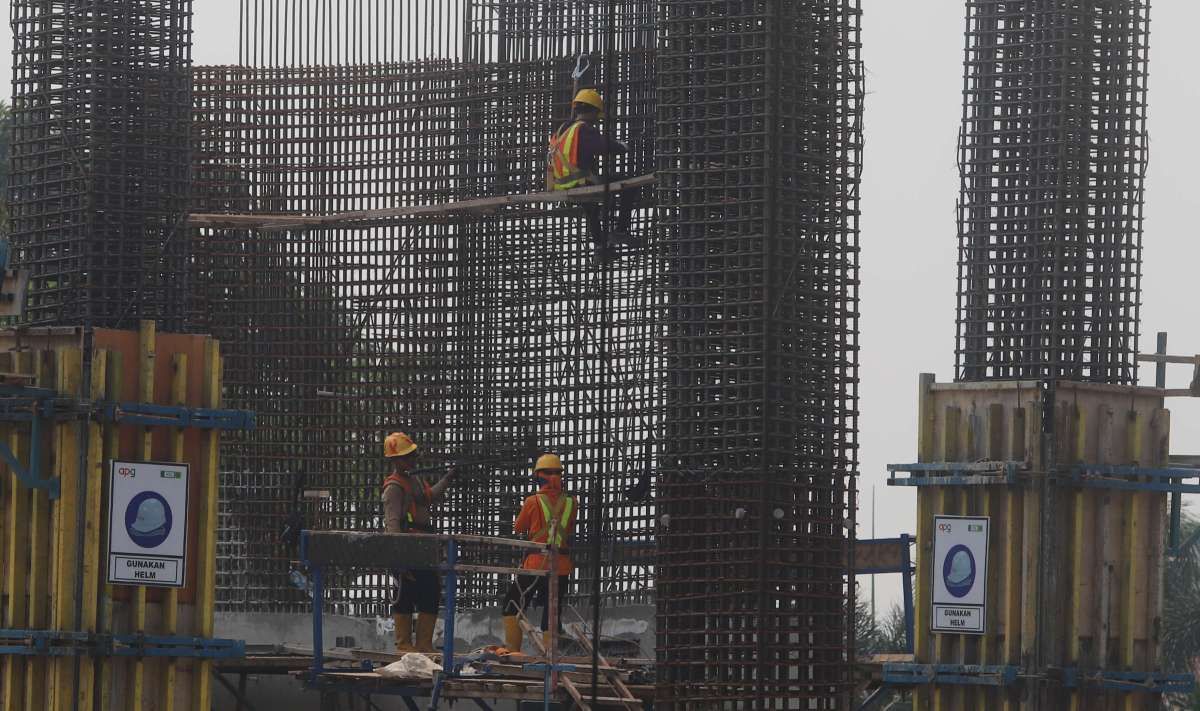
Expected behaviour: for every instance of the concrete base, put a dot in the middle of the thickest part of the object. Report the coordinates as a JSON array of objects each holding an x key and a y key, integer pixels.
[{"x": 632, "y": 625}]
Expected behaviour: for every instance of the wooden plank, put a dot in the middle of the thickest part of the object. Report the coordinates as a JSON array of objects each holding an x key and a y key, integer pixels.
[
  {"x": 1160, "y": 358},
  {"x": 146, "y": 356},
  {"x": 65, "y": 553},
  {"x": 926, "y": 431},
  {"x": 39, "y": 546},
  {"x": 1080, "y": 579},
  {"x": 17, "y": 572},
  {"x": 206, "y": 572},
  {"x": 536, "y": 636},
  {"x": 627, "y": 698},
  {"x": 9, "y": 488},
  {"x": 93, "y": 522},
  {"x": 277, "y": 222},
  {"x": 17, "y": 525},
  {"x": 1134, "y": 524},
  {"x": 106, "y": 666},
  {"x": 945, "y": 698},
  {"x": 170, "y": 604}
]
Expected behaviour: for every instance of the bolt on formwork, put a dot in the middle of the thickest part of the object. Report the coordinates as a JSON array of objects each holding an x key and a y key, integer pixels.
[
  {"x": 100, "y": 162},
  {"x": 1052, "y": 155},
  {"x": 759, "y": 143}
]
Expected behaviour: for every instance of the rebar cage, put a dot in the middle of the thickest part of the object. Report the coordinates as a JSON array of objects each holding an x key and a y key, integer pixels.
[
  {"x": 703, "y": 390},
  {"x": 1052, "y": 156},
  {"x": 759, "y": 129},
  {"x": 100, "y": 161},
  {"x": 480, "y": 336}
]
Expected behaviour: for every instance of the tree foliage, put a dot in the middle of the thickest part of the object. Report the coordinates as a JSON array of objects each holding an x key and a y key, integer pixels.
[{"x": 1181, "y": 603}]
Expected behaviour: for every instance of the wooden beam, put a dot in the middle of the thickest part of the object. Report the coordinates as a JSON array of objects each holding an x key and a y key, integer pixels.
[{"x": 589, "y": 193}]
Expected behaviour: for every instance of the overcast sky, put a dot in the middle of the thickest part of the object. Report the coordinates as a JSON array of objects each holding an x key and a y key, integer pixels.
[{"x": 913, "y": 54}]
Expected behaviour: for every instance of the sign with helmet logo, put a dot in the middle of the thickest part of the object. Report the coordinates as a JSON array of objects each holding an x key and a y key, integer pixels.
[
  {"x": 147, "y": 523},
  {"x": 960, "y": 548}
]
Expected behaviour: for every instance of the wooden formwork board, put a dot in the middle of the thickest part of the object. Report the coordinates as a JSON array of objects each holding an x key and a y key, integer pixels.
[
  {"x": 1074, "y": 574},
  {"x": 52, "y": 550}
]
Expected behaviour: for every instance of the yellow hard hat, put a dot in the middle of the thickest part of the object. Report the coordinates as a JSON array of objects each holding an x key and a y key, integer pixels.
[
  {"x": 548, "y": 462},
  {"x": 398, "y": 444},
  {"x": 591, "y": 97}
]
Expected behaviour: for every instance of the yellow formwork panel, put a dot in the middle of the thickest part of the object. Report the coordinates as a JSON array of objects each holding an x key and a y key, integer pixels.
[
  {"x": 52, "y": 551},
  {"x": 1102, "y": 597}
]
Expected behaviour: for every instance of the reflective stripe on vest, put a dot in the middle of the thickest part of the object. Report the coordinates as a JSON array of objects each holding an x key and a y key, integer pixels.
[
  {"x": 568, "y": 504},
  {"x": 564, "y": 158}
]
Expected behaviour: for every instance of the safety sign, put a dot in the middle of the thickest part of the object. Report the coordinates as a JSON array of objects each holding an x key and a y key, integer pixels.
[
  {"x": 147, "y": 523},
  {"x": 960, "y": 546}
]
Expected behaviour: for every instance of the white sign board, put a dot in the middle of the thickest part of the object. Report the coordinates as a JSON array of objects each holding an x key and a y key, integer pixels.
[
  {"x": 960, "y": 546},
  {"x": 147, "y": 524}
]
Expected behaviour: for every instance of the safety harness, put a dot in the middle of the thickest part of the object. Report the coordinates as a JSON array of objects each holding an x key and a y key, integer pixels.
[{"x": 561, "y": 512}]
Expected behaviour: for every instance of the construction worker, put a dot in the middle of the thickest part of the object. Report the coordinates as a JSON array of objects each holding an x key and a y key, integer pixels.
[
  {"x": 406, "y": 502},
  {"x": 573, "y": 160},
  {"x": 548, "y": 505}
]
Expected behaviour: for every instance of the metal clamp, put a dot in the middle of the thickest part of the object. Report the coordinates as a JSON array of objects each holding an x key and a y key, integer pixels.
[{"x": 957, "y": 473}]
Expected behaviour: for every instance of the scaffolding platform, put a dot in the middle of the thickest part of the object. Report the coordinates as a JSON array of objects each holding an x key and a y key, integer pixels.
[
  {"x": 506, "y": 677},
  {"x": 370, "y": 218}
]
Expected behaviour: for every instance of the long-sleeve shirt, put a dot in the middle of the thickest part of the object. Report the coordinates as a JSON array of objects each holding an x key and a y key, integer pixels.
[{"x": 399, "y": 503}]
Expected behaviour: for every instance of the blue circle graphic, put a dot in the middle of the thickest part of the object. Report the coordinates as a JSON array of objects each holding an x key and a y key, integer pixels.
[
  {"x": 958, "y": 570},
  {"x": 148, "y": 519}
]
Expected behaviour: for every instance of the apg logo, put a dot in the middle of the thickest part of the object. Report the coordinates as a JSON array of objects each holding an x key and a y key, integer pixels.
[
  {"x": 127, "y": 472},
  {"x": 944, "y": 527}
]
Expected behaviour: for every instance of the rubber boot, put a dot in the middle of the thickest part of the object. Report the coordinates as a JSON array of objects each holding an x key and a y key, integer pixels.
[
  {"x": 426, "y": 621},
  {"x": 512, "y": 633},
  {"x": 403, "y": 633}
]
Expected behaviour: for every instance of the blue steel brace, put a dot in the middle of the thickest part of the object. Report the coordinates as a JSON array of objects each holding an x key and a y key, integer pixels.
[
  {"x": 909, "y": 624},
  {"x": 317, "y": 579},
  {"x": 24, "y": 403}
]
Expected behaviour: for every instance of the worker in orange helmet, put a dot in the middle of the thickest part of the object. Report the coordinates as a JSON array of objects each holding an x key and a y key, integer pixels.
[
  {"x": 406, "y": 502},
  {"x": 573, "y": 161},
  {"x": 549, "y": 504}
]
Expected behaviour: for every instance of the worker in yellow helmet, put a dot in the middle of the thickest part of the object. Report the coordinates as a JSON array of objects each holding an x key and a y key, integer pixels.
[
  {"x": 406, "y": 503},
  {"x": 573, "y": 161},
  {"x": 549, "y": 504}
]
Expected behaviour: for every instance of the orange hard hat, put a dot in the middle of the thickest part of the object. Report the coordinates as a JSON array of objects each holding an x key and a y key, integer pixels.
[{"x": 398, "y": 444}]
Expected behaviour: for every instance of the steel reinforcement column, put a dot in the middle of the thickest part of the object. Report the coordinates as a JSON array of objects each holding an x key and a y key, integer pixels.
[
  {"x": 1052, "y": 157},
  {"x": 100, "y": 163},
  {"x": 758, "y": 149}
]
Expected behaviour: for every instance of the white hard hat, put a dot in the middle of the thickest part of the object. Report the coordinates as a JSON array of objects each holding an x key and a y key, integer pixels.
[
  {"x": 960, "y": 568},
  {"x": 151, "y": 516}
]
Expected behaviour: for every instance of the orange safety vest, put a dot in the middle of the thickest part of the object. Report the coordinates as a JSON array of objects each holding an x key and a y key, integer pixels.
[
  {"x": 563, "y": 159},
  {"x": 561, "y": 511},
  {"x": 565, "y": 504},
  {"x": 406, "y": 484}
]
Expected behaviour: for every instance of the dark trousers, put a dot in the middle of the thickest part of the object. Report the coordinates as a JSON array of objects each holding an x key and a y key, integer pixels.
[
  {"x": 527, "y": 589},
  {"x": 627, "y": 201},
  {"x": 418, "y": 590}
]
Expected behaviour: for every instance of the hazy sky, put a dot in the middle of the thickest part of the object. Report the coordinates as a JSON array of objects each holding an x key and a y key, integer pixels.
[{"x": 913, "y": 54}]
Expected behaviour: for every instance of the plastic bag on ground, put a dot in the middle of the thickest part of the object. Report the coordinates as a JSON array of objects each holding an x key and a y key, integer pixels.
[{"x": 411, "y": 666}]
